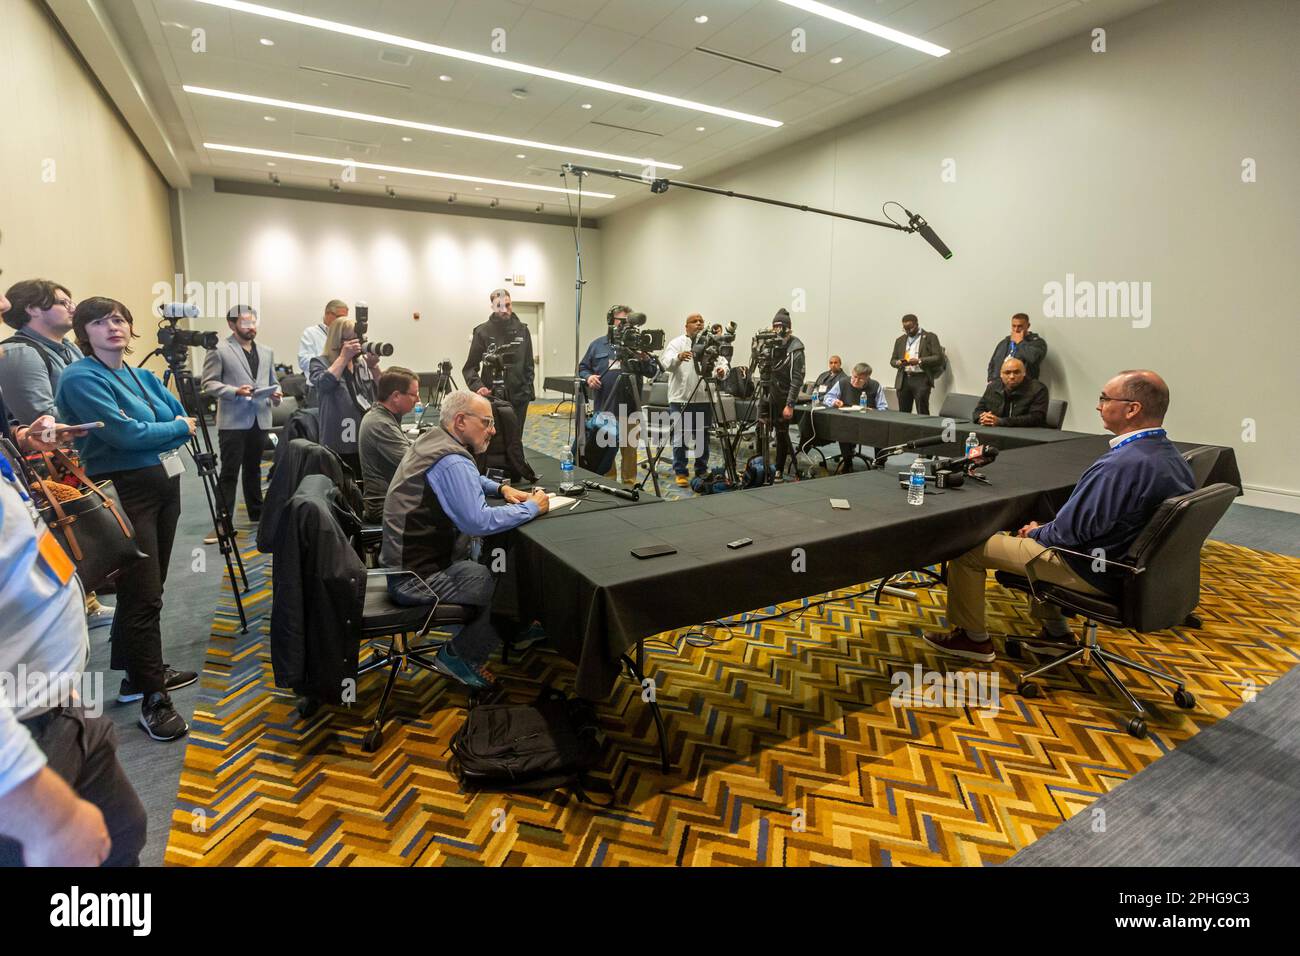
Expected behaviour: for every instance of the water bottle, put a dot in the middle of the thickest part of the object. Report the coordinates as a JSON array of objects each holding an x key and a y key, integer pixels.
[
  {"x": 418, "y": 410},
  {"x": 916, "y": 483},
  {"x": 971, "y": 444},
  {"x": 862, "y": 401},
  {"x": 566, "y": 464}
]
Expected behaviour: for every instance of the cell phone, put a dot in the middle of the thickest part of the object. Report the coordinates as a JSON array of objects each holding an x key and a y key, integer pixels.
[
  {"x": 64, "y": 429},
  {"x": 840, "y": 503},
  {"x": 653, "y": 551},
  {"x": 739, "y": 543}
]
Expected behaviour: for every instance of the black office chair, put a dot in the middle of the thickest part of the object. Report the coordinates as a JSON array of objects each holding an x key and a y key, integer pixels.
[
  {"x": 1202, "y": 461},
  {"x": 1055, "y": 413},
  {"x": 381, "y": 620},
  {"x": 959, "y": 406},
  {"x": 1160, "y": 586}
]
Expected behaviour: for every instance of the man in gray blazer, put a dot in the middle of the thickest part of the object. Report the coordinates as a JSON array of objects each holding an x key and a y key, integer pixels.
[{"x": 234, "y": 372}]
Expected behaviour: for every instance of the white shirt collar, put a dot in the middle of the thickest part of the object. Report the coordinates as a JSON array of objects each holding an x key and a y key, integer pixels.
[{"x": 1141, "y": 431}]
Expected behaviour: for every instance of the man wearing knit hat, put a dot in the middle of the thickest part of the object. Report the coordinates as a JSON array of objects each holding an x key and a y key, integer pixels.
[{"x": 787, "y": 379}]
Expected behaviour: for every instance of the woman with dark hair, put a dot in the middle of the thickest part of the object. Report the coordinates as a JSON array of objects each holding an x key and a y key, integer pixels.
[
  {"x": 343, "y": 380},
  {"x": 139, "y": 450}
]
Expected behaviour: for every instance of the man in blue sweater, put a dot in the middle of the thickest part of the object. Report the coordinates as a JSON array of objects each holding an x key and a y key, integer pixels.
[{"x": 1104, "y": 515}]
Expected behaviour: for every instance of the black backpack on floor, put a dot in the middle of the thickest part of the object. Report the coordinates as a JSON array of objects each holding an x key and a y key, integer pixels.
[{"x": 546, "y": 745}]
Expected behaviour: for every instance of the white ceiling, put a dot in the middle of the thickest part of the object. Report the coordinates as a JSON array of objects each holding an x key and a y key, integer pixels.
[{"x": 642, "y": 43}]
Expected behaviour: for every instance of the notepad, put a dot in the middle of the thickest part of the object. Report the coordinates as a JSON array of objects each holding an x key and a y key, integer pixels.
[
  {"x": 559, "y": 501},
  {"x": 265, "y": 391}
]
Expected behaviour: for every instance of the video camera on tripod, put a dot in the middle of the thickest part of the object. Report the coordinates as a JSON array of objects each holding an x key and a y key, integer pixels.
[
  {"x": 496, "y": 359},
  {"x": 383, "y": 349},
  {"x": 174, "y": 342},
  {"x": 634, "y": 346},
  {"x": 709, "y": 346}
]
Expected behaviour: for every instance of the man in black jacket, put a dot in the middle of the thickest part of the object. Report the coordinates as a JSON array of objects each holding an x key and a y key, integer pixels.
[
  {"x": 1014, "y": 401},
  {"x": 504, "y": 329},
  {"x": 1029, "y": 347},
  {"x": 834, "y": 375},
  {"x": 918, "y": 356},
  {"x": 787, "y": 379}
]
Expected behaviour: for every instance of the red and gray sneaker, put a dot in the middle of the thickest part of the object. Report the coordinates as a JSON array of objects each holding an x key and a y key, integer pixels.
[{"x": 956, "y": 643}]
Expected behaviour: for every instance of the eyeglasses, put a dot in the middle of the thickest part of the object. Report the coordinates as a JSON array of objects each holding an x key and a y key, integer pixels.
[
  {"x": 1104, "y": 398},
  {"x": 67, "y": 304},
  {"x": 487, "y": 420}
]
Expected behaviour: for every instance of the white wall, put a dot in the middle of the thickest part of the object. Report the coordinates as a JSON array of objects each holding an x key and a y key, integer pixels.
[
  {"x": 1115, "y": 166},
  {"x": 80, "y": 202},
  {"x": 302, "y": 254}
]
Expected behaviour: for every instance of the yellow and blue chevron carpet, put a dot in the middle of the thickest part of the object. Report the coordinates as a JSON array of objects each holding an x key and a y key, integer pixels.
[{"x": 787, "y": 748}]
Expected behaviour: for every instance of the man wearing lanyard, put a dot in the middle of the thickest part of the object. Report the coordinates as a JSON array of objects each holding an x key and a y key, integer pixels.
[
  {"x": 241, "y": 374},
  {"x": 1104, "y": 515},
  {"x": 64, "y": 798},
  {"x": 918, "y": 356}
]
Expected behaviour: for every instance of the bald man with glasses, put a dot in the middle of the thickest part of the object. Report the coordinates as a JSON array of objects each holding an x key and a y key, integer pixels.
[{"x": 1109, "y": 507}]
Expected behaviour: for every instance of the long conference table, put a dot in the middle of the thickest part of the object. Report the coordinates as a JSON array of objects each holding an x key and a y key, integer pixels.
[{"x": 598, "y": 603}]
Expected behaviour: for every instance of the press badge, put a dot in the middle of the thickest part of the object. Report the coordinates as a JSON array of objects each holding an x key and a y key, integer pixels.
[{"x": 172, "y": 463}]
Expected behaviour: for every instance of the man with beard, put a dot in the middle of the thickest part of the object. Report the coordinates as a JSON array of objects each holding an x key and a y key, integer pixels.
[
  {"x": 435, "y": 517},
  {"x": 503, "y": 329},
  {"x": 787, "y": 380},
  {"x": 231, "y": 373}
]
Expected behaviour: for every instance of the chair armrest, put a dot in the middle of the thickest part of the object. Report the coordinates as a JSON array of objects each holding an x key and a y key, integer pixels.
[{"x": 1056, "y": 549}]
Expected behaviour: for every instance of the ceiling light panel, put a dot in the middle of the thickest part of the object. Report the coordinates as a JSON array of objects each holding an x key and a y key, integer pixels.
[
  {"x": 404, "y": 170},
  {"x": 413, "y": 125},
  {"x": 337, "y": 27},
  {"x": 867, "y": 26}
]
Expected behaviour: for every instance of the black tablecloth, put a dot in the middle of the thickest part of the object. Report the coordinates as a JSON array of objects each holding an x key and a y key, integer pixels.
[
  {"x": 549, "y": 476},
  {"x": 596, "y": 600},
  {"x": 882, "y": 429}
]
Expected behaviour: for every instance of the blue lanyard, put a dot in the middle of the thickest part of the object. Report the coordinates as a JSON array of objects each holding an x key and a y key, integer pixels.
[
  {"x": 1153, "y": 433},
  {"x": 7, "y": 471}
]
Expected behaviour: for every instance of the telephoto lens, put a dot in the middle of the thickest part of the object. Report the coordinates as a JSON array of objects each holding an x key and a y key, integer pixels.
[{"x": 384, "y": 349}]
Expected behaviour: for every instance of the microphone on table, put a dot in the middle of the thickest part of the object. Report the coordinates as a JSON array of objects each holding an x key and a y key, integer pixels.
[
  {"x": 631, "y": 494},
  {"x": 883, "y": 453}
]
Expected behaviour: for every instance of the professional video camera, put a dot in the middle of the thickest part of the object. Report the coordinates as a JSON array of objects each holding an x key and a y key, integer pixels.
[
  {"x": 173, "y": 341},
  {"x": 767, "y": 350},
  {"x": 363, "y": 326},
  {"x": 633, "y": 346},
  {"x": 492, "y": 368},
  {"x": 708, "y": 346}
]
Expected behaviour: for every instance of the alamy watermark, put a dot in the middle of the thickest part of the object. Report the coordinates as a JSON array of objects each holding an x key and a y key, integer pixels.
[
  {"x": 213, "y": 299},
  {"x": 22, "y": 690},
  {"x": 1085, "y": 299},
  {"x": 921, "y": 688}
]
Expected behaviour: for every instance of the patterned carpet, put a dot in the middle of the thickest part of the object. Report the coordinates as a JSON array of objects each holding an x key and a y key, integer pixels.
[{"x": 786, "y": 745}]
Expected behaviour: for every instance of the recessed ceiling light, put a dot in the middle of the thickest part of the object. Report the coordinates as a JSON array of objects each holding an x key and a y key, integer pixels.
[
  {"x": 520, "y": 156},
  {"x": 837, "y": 60},
  {"x": 272, "y": 164},
  {"x": 407, "y": 170},
  {"x": 406, "y": 139},
  {"x": 586, "y": 106},
  {"x": 478, "y": 189},
  {"x": 445, "y": 78},
  {"x": 426, "y": 127},
  {"x": 266, "y": 42},
  {"x": 858, "y": 23},
  {"x": 269, "y": 119},
  {"x": 383, "y": 177},
  {"x": 699, "y": 129},
  {"x": 702, "y": 19},
  {"x": 389, "y": 39}
]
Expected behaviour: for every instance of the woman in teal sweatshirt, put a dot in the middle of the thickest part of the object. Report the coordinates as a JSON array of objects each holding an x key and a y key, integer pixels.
[{"x": 138, "y": 449}]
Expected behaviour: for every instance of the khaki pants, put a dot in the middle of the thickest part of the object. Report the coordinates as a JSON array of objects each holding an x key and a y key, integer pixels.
[
  {"x": 628, "y": 456},
  {"x": 1004, "y": 552}
]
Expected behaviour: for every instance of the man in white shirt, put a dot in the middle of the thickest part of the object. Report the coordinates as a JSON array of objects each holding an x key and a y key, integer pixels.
[
  {"x": 312, "y": 341},
  {"x": 688, "y": 401}
]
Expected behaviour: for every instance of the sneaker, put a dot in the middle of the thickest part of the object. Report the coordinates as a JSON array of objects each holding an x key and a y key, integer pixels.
[
  {"x": 102, "y": 616},
  {"x": 449, "y": 664},
  {"x": 957, "y": 644},
  {"x": 159, "y": 718},
  {"x": 682, "y": 481},
  {"x": 172, "y": 680},
  {"x": 778, "y": 478},
  {"x": 212, "y": 536},
  {"x": 528, "y": 637}
]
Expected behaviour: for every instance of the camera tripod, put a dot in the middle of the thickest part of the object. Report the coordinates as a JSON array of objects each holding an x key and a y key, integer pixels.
[
  {"x": 444, "y": 383},
  {"x": 205, "y": 460}
]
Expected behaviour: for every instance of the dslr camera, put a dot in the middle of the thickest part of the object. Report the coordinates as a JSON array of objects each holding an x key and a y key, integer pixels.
[{"x": 383, "y": 349}]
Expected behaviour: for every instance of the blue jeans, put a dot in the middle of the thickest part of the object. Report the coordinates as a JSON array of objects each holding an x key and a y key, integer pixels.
[
  {"x": 699, "y": 416},
  {"x": 467, "y": 583}
]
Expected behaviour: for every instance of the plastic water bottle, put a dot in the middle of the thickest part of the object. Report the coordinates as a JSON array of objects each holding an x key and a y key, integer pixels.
[
  {"x": 916, "y": 483},
  {"x": 972, "y": 443},
  {"x": 418, "y": 410},
  {"x": 566, "y": 464},
  {"x": 862, "y": 401}
]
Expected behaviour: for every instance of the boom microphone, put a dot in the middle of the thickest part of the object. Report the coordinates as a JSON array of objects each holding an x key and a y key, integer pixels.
[
  {"x": 909, "y": 446},
  {"x": 920, "y": 225}
]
